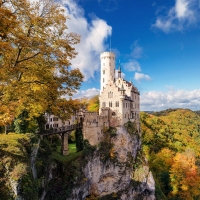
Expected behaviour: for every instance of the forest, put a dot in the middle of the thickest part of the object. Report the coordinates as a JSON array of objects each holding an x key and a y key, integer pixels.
[
  {"x": 171, "y": 141},
  {"x": 35, "y": 76}
]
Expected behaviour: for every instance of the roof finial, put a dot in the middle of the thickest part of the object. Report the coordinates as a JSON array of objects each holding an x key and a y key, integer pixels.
[{"x": 119, "y": 69}]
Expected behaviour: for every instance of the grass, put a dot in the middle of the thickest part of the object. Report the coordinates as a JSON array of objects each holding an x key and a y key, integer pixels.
[
  {"x": 72, "y": 154},
  {"x": 72, "y": 148}
]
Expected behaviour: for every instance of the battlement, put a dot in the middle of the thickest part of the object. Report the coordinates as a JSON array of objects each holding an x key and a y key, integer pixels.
[{"x": 107, "y": 54}]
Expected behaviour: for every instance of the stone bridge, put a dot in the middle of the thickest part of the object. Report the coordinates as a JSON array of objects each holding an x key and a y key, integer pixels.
[{"x": 63, "y": 132}]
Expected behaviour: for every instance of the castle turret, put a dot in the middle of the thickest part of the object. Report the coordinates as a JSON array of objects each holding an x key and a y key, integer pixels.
[
  {"x": 119, "y": 71},
  {"x": 107, "y": 68},
  {"x": 122, "y": 92}
]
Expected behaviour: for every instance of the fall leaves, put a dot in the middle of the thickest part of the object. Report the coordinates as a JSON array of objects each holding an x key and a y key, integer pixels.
[
  {"x": 35, "y": 53},
  {"x": 171, "y": 143}
]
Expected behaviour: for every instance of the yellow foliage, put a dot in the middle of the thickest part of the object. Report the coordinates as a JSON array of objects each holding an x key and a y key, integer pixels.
[{"x": 34, "y": 58}]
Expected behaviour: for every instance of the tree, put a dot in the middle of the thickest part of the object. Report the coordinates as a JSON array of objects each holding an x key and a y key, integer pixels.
[
  {"x": 184, "y": 175},
  {"x": 35, "y": 52}
]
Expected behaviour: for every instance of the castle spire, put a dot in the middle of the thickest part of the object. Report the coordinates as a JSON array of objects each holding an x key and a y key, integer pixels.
[{"x": 119, "y": 70}]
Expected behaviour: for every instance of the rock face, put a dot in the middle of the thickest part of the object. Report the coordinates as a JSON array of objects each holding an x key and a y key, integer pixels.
[{"x": 116, "y": 169}]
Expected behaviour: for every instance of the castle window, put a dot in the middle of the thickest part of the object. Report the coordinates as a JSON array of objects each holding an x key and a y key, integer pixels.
[
  {"x": 103, "y": 80},
  {"x": 104, "y": 104},
  {"x": 103, "y": 71},
  {"x": 55, "y": 119}
]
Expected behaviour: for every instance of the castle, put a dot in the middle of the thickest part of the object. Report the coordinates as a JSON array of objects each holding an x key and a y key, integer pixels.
[{"x": 119, "y": 102}]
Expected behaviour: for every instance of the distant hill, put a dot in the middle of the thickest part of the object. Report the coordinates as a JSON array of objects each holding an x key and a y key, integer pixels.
[{"x": 171, "y": 142}]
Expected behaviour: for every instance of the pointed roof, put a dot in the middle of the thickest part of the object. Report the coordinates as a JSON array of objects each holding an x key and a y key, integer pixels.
[{"x": 122, "y": 88}]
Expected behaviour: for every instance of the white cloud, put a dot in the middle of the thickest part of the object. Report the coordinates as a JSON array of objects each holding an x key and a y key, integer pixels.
[
  {"x": 137, "y": 50},
  {"x": 155, "y": 101},
  {"x": 182, "y": 15},
  {"x": 93, "y": 36},
  {"x": 86, "y": 93},
  {"x": 140, "y": 76},
  {"x": 132, "y": 65},
  {"x": 181, "y": 8}
]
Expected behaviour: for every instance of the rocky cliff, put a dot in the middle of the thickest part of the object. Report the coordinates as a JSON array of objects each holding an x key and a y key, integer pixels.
[{"x": 115, "y": 169}]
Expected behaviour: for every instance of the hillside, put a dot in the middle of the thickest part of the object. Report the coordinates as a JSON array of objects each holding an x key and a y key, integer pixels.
[{"x": 171, "y": 143}]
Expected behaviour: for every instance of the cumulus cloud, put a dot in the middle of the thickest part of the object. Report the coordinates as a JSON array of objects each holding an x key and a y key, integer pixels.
[
  {"x": 183, "y": 14},
  {"x": 86, "y": 93},
  {"x": 140, "y": 76},
  {"x": 155, "y": 101},
  {"x": 93, "y": 36},
  {"x": 132, "y": 65},
  {"x": 137, "y": 50}
]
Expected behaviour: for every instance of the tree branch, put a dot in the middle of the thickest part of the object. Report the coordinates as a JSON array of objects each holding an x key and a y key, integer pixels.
[{"x": 28, "y": 57}]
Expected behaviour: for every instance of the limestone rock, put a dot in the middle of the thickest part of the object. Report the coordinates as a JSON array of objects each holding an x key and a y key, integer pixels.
[{"x": 117, "y": 176}]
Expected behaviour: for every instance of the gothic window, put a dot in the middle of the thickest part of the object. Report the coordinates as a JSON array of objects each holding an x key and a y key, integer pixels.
[
  {"x": 103, "y": 71},
  {"x": 103, "y": 80},
  {"x": 117, "y": 104},
  {"x": 104, "y": 104}
]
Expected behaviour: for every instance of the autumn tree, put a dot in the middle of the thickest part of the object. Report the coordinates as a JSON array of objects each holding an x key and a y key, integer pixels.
[{"x": 35, "y": 52}]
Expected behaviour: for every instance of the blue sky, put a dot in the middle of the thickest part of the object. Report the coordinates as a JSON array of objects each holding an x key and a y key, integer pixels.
[{"x": 157, "y": 43}]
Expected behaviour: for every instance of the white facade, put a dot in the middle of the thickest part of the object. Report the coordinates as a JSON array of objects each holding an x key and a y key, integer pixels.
[
  {"x": 108, "y": 68},
  {"x": 55, "y": 122},
  {"x": 121, "y": 96}
]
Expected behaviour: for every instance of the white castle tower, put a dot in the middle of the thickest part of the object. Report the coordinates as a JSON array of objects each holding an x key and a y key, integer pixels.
[
  {"x": 107, "y": 68},
  {"x": 119, "y": 95}
]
